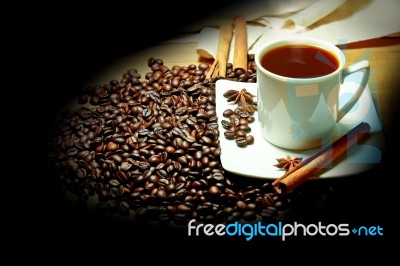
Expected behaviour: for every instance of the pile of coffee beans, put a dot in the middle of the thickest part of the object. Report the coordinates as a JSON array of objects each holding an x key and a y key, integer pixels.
[
  {"x": 151, "y": 147},
  {"x": 237, "y": 126}
]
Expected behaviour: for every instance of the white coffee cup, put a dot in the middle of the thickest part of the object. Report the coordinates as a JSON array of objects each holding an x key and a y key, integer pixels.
[{"x": 302, "y": 112}]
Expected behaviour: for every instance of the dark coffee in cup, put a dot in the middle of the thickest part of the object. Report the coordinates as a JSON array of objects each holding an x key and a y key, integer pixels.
[
  {"x": 299, "y": 61},
  {"x": 298, "y": 84}
]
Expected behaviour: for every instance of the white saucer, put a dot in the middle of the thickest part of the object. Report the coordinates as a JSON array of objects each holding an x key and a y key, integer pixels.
[{"x": 257, "y": 160}]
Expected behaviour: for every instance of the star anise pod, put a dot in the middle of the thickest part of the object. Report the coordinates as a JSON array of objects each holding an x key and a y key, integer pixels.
[
  {"x": 229, "y": 93},
  {"x": 287, "y": 163},
  {"x": 243, "y": 98}
]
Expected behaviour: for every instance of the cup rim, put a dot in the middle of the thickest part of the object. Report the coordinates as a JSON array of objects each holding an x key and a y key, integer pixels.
[{"x": 305, "y": 40}]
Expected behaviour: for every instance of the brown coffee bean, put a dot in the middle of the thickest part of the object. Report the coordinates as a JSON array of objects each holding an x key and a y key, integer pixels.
[
  {"x": 240, "y": 134},
  {"x": 161, "y": 193},
  {"x": 214, "y": 190},
  {"x": 249, "y": 139},
  {"x": 111, "y": 146},
  {"x": 229, "y": 134},
  {"x": 228, "y": 113},
  {"x": 249, "y": 215},
  {"x": 241, "y": 205},
  {"x": 241, "y": 141}
]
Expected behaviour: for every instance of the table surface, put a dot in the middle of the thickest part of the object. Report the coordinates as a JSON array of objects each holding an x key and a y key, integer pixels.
[{"x": 382, "y": 53}]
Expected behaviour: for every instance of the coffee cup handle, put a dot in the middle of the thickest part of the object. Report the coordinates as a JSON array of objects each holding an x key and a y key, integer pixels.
[{"x": 359, "y": 66}]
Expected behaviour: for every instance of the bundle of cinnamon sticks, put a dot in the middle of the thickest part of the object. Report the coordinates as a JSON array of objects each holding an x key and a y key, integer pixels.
[{"x": 226, "y": 33}]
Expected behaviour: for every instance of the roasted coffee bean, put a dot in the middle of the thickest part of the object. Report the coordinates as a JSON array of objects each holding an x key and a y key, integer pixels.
[
  {"x": 244, "y": 128},
  {"x": 116, "y": 158},
  {"x": 251, "y": 206},
  {"x": 231, "y": 219},
  {"x": 218, "y": 176},
  {"x": 161, "y": 193},
  {"x": 81, "y": 173},
  {"x": 243, "y": 121},
  {"x": 111, "y": 146},
  {"x": 229, "y": 134},
  {"x": 249, "y": 215},
  {"x": 241, "y": 205},
  {"x": 240, "y": 134},
  {"x": 267, "y": 216},
  {"x": 266, "y": 187},
  {"x": 226, "y": 124},
  {"x": 251, "y": 119},
  {"x": 72, "y": 151},
  {"x": 234, "y": 120},
  {"x": 228, "y": 113},
  {"x": 214, "y": 190},
  {"x": 249, "y": 139},
  {"x": 241, "y": 141}
]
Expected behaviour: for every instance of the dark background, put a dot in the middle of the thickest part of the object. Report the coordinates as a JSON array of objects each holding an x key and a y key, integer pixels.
[{"x": 73, "y": 42}]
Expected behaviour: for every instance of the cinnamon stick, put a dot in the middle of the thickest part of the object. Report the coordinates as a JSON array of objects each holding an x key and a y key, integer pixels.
[
  {"x": 240, "y": 53},
  {"x": 317, "y": 161},
  {"x": 218, "y": 68}
]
